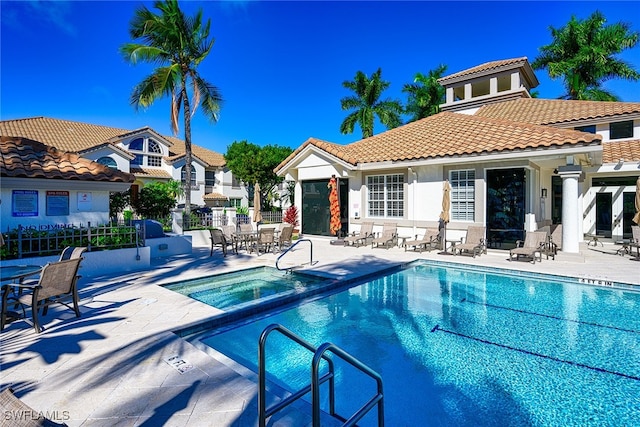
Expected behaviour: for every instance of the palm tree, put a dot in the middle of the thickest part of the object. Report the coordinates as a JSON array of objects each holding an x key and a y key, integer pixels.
[
  {"x": 425, "y": 94},
  {"x": 178, "y": 44},
  {"x": 583, "y": 54},
  {"x": 366, "y": 103}
]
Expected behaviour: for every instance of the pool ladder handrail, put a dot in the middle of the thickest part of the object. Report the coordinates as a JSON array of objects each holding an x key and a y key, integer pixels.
[
  {"x": 293, "y": 246},
  {"x": 316, "y": 380}
]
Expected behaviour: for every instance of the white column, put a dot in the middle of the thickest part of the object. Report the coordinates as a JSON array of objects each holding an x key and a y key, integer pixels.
[
  {"x": 493, "y": 85},
  {"x": 570, "y": 211},
  {"x": 468, "y": 93}
]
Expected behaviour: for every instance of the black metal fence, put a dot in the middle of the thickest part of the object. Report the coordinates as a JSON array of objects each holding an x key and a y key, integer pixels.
[{"x": 25, "y": 242}]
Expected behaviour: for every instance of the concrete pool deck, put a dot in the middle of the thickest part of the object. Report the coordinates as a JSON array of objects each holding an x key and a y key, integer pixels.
[{"x": 120, "y": 363}]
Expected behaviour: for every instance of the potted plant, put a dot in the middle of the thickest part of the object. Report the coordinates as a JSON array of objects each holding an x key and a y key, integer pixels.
[{"x": 291, "y": 216}]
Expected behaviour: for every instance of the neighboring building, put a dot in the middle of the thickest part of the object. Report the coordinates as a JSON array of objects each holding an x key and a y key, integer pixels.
[
  {"x": 514, "y": 163},
  {"x": 42, "y": 186},
  {"x": 148, "y": 155}
]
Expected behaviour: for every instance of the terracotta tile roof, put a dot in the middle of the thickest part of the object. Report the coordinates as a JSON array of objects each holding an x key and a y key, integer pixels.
[
  {"x": 25, "y": 158},
  {"x": 612, "y": 151},
  {"x": 150, "y": 172},
  {"x": 331, "y": 148},
  {"x": 212, "y": 158},
  {"x": 77, "y": 137},
  {"x": 486, "y": 67},
  {"x": 556, "y": 111},
  {"x": 449, "y": 135},
  {"x": 214, "y": 196}
]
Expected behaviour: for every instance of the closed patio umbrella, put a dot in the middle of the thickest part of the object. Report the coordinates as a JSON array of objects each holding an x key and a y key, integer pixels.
[
  {"x": 636, "y": 218},
  {"x": 445, "y": 215},
  {"x": 257, "y": 214},
  {"x": 334, "y": 207}
]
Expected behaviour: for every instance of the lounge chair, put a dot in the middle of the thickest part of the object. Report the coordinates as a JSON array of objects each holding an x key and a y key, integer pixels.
[
  {"x": 363, "y": 237},
  {"x": 16, "y": 413},
  {"x": 535, "y": 242},
  {"x": 57, "y": 283},
  {"x": 474, "y": 242},
  {"x": 430, "y": 240},
  {"x": 388, "y": 238}
]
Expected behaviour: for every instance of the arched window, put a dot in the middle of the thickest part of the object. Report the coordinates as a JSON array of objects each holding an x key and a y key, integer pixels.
[
  {"x": 137, "y": 144},
  {"x": 193, "y": 175},
  {"x": 154, "y": 147},
  {"x": 108, "y": 161}
]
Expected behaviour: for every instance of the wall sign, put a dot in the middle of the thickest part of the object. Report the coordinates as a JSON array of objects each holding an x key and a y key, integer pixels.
[
  {"x": 84, "y": 201},
  {"x": 24, "y": 203},
  {"x": 57, "y": 203}
]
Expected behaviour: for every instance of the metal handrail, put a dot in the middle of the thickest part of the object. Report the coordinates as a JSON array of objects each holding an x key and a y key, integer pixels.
[
  {"x": 293, "y": 246},
  {"x": 378, "y": 399},
  {"x": 265, "y": 412},
  {"x": 316, "y": 381}
]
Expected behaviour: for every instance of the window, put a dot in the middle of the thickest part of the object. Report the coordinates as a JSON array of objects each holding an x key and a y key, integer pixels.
[
  {"x": 108, "y": 161},
  {"x": 154, "y": 161},
  {"x": 588, "y": 128},
  {"x": 235, "y": 203},
  {"x": 138, "y": 160},
  {"x": 462, "y": 195},
  {"x": 620, "y": 130},
  {"x": 137, "y": 144},
  {"x": 386, "y": 196},
  {"x": 193, "y": 175},
  {"x": 154, "y": 147},
  {"x": 209, "y": 178},
  {"x": 234, "y": 182}
]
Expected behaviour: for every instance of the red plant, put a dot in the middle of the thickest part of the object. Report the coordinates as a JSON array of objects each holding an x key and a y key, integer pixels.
[{"x": 291, "y": 216}]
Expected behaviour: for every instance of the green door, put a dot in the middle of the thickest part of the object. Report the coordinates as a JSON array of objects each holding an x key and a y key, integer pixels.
[
  {"x": 505, "y": 207},
  {"x": 315, "y": 206}
]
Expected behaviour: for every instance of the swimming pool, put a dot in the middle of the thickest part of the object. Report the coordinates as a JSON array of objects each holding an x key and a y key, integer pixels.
[{"x": 467, "y": 348}]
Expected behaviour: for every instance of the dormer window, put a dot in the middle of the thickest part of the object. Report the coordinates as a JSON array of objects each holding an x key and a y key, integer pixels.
[
  {"x": 108, "y": 162},
  {"x": 588, "y": 128},
  {"x": 621, "y": 130},
  {"x": 147, "y": 151}
]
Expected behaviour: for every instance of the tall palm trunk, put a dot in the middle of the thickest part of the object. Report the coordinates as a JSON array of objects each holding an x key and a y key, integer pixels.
[{"x": 187, "y": 146}]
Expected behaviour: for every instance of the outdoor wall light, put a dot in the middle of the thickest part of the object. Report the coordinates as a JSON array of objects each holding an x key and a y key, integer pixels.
[
  {"x": 544, "y": 193},
  {"x": 569, "y": 160}
]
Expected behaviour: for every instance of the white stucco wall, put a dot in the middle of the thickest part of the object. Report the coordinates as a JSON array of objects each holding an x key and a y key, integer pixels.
[{"x": 94, "y": 209}]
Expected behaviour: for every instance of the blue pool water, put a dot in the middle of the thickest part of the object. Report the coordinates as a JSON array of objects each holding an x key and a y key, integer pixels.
[
  {"x": 239, "y": 288},
  {"x": 458, "y": 347}
]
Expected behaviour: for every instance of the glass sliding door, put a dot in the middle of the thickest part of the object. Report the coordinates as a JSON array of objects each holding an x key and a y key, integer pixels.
[
  {"x": 506, "y": 205},
  {"x": 604, "y": 203}
]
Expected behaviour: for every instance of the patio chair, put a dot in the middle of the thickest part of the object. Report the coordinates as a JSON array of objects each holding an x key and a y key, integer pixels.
[
  {"x": 634, "y": 242},
  {"x": 57, "y": 283},
  {"x": 246, "y": 235},
  {"x": 430, "y": 240},
  {"x": 265, "y": 241},
  {"x": 534, "y": 242},
  {"x": 388, "y": 238},
  {"x": 16, "y": 413},
  {"x": 286, "y": 236},
  {"x": 229, "y": 232},
  {"x": 363, "y": 237},
  {"x": 474, "y": 242},
  {"x": 71, "y": 252},
  {"x": 217, "y": 239}
]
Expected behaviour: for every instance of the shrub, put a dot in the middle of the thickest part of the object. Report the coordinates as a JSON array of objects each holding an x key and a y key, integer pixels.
[{"x": 291, "y": 216}]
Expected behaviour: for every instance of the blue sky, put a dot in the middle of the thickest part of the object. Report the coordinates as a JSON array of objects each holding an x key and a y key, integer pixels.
[{"x": 279, "y": 65}]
